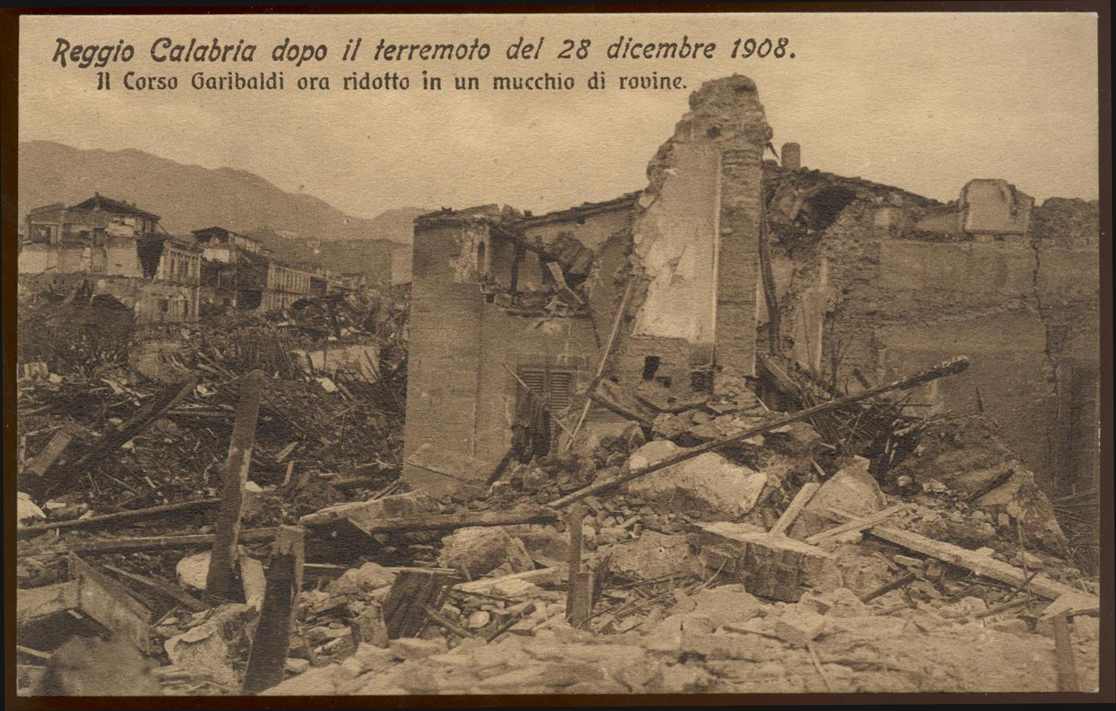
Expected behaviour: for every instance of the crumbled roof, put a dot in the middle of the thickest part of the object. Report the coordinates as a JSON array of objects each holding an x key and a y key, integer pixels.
[
  {"x": 582, "y": 210},
  {"x": 100, "y": 202},
  {"x": 806, "y": 179}
]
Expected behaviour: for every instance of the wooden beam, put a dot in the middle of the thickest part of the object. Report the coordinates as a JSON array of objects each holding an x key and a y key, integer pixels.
[
  {"x": 54, "y": 449},
  {"x": 119, "y": 517},
  {"x": 580, "y": 598},
  {"x": 271, "y": 644},
  {"x": 794, "y": 508},
  {"x": 35, "y": 603},
  {"x": 1063, "y": 654},
  {"x": 951, "y": 367},
  {"x": 219, "y": 581},
  {"x": 984, "y": 565},
  {"x": 153, "y": 543},
  {"x": 888, "y": 587},
  {"x": 165, "y": 589},
  {"x": 112, "y": 604},
  {"x": 539, "y": 576},
  {"x": 446, "y": 522},
  {"x": 606, "y": 354},
  {"x": 574, "y": 519},
  {"x": 858, "y": 524}
]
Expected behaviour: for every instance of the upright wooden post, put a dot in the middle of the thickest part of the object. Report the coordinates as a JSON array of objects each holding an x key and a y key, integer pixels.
[
  {"x": 574, "y": 518},
  {"x": 1063, "y": 654},
  {"x": 271, "y": 645},
  {"x": 579, "y": 595},
  {"x": 219, "y": 581}
]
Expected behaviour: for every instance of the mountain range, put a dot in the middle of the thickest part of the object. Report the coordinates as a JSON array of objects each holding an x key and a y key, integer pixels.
[{"x": 190, "y": 197}]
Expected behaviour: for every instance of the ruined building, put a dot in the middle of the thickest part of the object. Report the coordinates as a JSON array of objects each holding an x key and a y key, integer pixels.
[
  {"x": 121, "y": 251},
  {"x": 239, "y": 273},
  {"x": 872, "y": 281},
  {"x": 725, "y": 259},
  {"x": 234, "y": 268}
]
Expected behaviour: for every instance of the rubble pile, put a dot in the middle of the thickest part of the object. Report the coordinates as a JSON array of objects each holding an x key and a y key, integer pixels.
[
  {"x": 714, "y": 543},
  {"x": 110, "y": 444},
  {"x": 746, "y": 567}
]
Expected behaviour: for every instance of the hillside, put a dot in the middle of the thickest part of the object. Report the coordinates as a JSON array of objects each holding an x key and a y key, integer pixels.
[
  {"x": 190, "y": 197},
  {"x": 371, "y": 257}
]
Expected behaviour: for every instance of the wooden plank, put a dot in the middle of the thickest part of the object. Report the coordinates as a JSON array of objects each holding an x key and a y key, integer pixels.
[
  {"x": 271, "y": 644},
  {"x": 165, "y": 589},
  {"x": 859, "y": 524},
  {"x": 541, "y": 576},
  {"x": 154, "y": 543},
  {"x": 984, "y": 565},
  {"x": 35, "y": 603},
  {"x": 405, "y": 524},
  {"x": 120, "y": 517},
  {"x": 111, "y": 604},
  {"x": 54, "y": 449},
  {"x": 796, "y": 505},
  {"x": 950, "y": 367},
  {"x": 219, "y": 581},
  {"x": 465, "y": 520}
]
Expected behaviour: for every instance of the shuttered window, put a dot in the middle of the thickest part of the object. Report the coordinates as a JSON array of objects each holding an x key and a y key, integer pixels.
[{"x": 557, "y": 383}]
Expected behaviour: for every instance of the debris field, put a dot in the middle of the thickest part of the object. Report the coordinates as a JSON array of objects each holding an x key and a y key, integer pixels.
[
  {"x": 228, "y": 506},
  {"x": 767, "y": 557}
]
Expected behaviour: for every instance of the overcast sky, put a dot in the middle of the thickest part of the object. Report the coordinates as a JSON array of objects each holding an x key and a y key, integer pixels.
[{"x": 925, "y": 102}]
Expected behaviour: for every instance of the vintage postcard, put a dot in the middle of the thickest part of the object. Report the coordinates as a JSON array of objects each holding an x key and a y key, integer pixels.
[{"x": 557, "y": 354}]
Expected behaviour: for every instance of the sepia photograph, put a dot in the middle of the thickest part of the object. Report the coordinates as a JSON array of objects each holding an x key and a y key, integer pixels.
[{"x": 555, "y": 353}]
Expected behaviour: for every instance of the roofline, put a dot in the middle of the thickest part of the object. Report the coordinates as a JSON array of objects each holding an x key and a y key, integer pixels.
[{"x": 590, "y": 208}]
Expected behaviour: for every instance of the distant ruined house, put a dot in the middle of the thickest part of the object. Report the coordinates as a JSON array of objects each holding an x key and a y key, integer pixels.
[{"x": 119, "y": 249}]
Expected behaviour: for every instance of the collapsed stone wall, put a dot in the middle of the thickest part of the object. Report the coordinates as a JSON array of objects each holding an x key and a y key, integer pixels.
[
  {"x": 895, "y": 283},
  {"x": 728, "y": 118}
]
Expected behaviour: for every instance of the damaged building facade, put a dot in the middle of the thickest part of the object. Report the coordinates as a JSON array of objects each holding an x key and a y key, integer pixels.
[
  {"x": 240, "y": 273},
  {"x": 872, "y": 281},
  {"x": 495, "y": 291},
  {"x": 119, "y": 250},
  {"x": 732, "y": 261}
]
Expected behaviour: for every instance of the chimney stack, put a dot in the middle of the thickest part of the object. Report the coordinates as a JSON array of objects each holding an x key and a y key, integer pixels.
[{"x": 792, "y": 156}]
